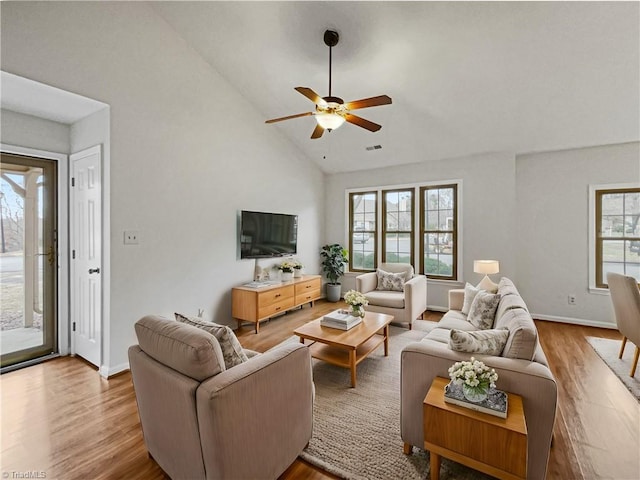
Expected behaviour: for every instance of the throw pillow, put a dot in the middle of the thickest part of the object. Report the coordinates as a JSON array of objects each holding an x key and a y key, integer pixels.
[
  {"x": 523, "y": 335},
  {"x": 487, "y": 342},
  {"x": 482, "y": 312},
  {"x": 390, "y": 281},
  {"x": 229, "y": 344},
  {"x": 470, "y": 293}
]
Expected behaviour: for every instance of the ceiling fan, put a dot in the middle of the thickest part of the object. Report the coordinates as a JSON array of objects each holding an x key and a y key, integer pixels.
[{"x": 331, "y": 112}]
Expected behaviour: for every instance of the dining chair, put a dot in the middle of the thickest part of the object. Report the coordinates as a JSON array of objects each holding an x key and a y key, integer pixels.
[{"x": 625, "y": 296}]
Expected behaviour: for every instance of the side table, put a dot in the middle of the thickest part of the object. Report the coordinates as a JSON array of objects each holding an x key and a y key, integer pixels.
[{"x": 493, "y": 445}]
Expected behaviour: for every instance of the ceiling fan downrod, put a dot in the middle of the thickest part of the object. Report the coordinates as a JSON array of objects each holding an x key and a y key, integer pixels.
[{"x": 331, "y": 38}]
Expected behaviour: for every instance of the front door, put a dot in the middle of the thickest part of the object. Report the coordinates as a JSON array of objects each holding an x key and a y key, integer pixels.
[
  {"x": 28, "y": 258},
  {"x": 86, "y": 253}
]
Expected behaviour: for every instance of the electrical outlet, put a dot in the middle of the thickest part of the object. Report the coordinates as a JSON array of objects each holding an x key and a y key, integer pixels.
[
  {"x": 571, "y": 299},
  {"x": 131, "y": 237}
]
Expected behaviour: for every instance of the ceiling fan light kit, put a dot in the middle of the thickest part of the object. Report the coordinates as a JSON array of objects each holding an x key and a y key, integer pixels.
[{"x": 331, "y": 112}]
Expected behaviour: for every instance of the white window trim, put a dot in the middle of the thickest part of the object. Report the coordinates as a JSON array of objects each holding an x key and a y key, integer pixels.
[
  {"x": 592, "y": 231},
  {"x": 416, "y": 188}
]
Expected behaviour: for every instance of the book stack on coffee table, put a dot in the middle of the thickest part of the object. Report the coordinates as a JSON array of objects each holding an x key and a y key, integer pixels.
[{"x": 340, "y": 319}]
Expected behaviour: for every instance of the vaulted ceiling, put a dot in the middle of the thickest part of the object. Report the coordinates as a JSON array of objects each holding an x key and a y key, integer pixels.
[{"x": 465, "y": 77}]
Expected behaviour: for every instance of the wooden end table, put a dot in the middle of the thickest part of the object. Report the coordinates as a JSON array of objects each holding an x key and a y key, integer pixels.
[
  {"x": 493, "y": 445},
  {"x": 347, "y": 348}
]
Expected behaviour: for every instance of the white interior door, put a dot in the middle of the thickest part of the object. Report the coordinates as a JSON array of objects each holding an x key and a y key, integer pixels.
[{"x": 86, "y": 253}]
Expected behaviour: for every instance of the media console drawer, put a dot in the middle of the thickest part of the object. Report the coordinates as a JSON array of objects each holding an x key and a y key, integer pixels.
[{"x": 256, "y": 304}]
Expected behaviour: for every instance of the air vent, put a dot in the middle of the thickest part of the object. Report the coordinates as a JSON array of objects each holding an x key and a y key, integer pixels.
[{"x": 373, "y": 147}]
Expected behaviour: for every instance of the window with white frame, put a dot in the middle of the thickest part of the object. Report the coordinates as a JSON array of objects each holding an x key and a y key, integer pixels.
[
  {"x": 617, "y": 233},
  {"x": 426, "y": 214}
]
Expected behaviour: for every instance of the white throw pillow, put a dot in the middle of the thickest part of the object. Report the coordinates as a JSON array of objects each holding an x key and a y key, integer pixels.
[
  {"x": 487, "y": 342},
  {"x": 482, "y": 313},
  {"x": 231, "y": 349},
  {"x": 470, "y": 293},
  {"x": 390, "y": 281}
]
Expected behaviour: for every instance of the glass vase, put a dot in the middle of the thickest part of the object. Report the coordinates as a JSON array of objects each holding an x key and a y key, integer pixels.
[
  {"x": 357, "y": 311},
  {"x": 475, "y": 394}
]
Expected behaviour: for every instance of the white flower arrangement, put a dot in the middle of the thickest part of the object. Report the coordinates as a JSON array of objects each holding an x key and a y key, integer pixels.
[
  {"x": 355, "y": 298},
  {"x": 286, "y": 266},
  {"x": 297, "y": 265},
  {"x": 474, "y": 374}
]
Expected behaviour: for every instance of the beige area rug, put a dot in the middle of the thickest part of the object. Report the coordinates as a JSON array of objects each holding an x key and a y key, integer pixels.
[
  {"x": 608, "y": 351},
  {"x": 356, "y": 431}
]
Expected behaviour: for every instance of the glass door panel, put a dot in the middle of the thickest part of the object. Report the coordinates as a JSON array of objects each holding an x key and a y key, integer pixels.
[{"x": 28, "y": 195}]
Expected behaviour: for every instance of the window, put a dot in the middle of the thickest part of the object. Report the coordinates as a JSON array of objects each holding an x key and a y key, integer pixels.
[
  {"x": 617, "y": 233},
  {"x": 438, "y": 231},
  {"x": 397, "y": 235},
  {"x": 363, "y": 233},
  {"x": 419, "y": 225}
]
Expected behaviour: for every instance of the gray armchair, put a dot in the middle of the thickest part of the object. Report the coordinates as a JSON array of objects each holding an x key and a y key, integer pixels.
[
  {"x": 405, "y": 306},
  {"x": 626, "y": 304},
  {"x": 201, "y": 421}
]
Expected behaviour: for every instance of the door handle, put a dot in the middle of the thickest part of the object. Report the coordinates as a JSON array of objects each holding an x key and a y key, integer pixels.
[
  {"x": 94, "y": 270},
  {"x": 49, "y": 254}
]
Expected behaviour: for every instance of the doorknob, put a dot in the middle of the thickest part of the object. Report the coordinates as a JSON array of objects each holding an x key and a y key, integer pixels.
[{"x": 94, "y": 270}]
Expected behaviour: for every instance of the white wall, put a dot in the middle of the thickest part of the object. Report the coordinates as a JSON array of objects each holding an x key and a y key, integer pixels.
[
  {"x": 487, "y": 201},
  {"x": 553, "y": 242},
  {"x": 530, "y": 212},
  {"x": 33, "y": 132},
  {"x": 187, "y": 152}
]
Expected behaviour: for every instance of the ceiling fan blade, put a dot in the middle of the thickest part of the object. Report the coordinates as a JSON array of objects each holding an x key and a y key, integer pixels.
[
  {"x": 361, "y": 122},
  {"x": 317, "y": 132},
  {"x": 311, "y": 95},
  {"x": 368, "y": 102},
  {"x": 273, "y": 120}
]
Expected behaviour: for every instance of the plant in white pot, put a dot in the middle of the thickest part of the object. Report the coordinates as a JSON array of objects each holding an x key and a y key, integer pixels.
[{"x": 333, "y": 260}]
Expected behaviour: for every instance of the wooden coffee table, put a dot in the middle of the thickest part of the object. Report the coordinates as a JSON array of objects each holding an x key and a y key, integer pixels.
[{"x": 347, "y": 348}]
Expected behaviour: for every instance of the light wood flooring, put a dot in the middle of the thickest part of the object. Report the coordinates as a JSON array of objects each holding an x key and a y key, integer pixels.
[{"x": 61, "y": 418}]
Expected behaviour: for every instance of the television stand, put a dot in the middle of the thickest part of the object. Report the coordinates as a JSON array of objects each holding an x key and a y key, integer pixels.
[{"x": 262, "y": 301}]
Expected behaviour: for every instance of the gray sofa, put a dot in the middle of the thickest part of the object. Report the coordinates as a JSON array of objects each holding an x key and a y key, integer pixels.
[
  {"x": 203, "y": 421},
  {"x": 526, "y": 374}
]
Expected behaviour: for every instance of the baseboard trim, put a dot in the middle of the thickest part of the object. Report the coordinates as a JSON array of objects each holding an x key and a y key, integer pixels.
[
  {"x": 437, "y": 308},
  {"x": 574, "y": 321},
  {"x": 109, "y": 372}
]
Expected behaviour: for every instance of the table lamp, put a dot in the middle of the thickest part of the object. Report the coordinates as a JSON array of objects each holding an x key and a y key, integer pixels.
[{"x": 488, "y": 267}]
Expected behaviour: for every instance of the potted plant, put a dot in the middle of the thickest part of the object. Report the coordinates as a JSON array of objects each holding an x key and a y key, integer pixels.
[
  {"x": 286, "y": 268},
  {"x": 297, "y": 269},
  {"x": 333, "y": 259}
]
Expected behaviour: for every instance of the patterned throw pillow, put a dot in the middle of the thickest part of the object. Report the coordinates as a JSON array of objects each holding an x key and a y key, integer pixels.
[
  {"x": 229, "y": 344},
  {"x": 390, "y": 281},
  {"x": 482, "y": 312},
  {"x": 470, "y": 293},
  {"x": 487, "y": 342}
]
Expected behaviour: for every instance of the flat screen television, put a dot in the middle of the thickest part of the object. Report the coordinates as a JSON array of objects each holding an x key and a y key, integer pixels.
[{"x": 264, "y": 235}]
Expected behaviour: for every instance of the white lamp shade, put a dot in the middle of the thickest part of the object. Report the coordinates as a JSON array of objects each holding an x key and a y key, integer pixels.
[
  {"x": 488, "y": 267},
  {"x": 329, "y": 121}
]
